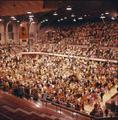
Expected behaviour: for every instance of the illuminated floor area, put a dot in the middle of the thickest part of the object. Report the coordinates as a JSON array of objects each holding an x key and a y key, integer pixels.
[
  {"x": 106, "y": 97},
  {"x": 13, "y": 108}
]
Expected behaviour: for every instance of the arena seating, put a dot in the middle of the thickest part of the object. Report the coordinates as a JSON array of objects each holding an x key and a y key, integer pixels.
[{"x": 68, "y": 81}]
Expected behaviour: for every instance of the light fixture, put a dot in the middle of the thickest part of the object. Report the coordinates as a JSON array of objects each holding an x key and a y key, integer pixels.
[
  {"x": 112, "y": 18},
  {"x": 43, "y": 21},
  {"x": 74, "y": 20},
  {"x": 65, "y": 18},
  {"x": 18, "y": 21},
  {"x": 102, "y": 17},
  {"x": 58, "y": 20},
  {"x": 61, "y": 19},
  {"x": 72, "y": 15},
  {"x": 69, "y": 8},
  {"x": 46, "y": 20},
  {"x": 107, "y": 13},
  {"x": 12, "y": 17},
  {"x": 80, "y": 18},
  {"x": 85, "y": 15},
  {"x": 55, "y": 14},
  {"x": 29, "y": 12}
]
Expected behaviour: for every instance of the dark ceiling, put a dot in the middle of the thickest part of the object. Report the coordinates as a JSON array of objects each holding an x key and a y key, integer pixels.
[{"x": 45, "y": 8}]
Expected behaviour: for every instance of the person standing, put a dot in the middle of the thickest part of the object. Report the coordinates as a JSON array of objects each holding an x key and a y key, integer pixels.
[
  {"x": 101, "y": 96},
  {"x": 106, "y": 112}
]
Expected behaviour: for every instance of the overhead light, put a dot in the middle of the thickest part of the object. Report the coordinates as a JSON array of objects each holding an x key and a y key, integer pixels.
[
  {"x": 43, "y": 21},
  {"x": 80, "y": 18},
  {"x": 29, "y": 12},
  {"x": 61, "y": 19},
  {"x": 58, "y": 20},
  {"x": 12, "y": 17},
  {"x": 69, "y": 8},
  {"x": 102, "y": 17},
  {"x": 18, "y": 21},
  {"x": 112, "y": 18},
  {"x": 46, "y": 20},
  {"x": 55, "y": 14},
  {"x": 72, "y": 15},
  {"x": 31, "y": 16},
  {"x": 65, "y": 18},
  {"x": 85, "y": 15},
  {"x": 74, "y": 20},
  {"x": 106, "y": 13}
]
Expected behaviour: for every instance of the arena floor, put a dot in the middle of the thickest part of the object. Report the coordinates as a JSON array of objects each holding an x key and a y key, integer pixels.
[{"x": 106, "y": 98}]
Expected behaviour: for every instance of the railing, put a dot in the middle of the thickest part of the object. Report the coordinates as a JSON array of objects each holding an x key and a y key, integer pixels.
[
  {"x": 68, "y": 56},
  {"x": 76, "y": 113}
]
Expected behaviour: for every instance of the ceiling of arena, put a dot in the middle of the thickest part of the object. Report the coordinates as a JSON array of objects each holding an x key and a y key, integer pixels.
[
  {"x": 18, "y": 7},
  {"x": 47, "y": 7}
]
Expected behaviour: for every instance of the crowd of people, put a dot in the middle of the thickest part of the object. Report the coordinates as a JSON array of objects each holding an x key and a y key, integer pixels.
[
  {"x": 69, "y": 81},
  {"x": 98, "y": 40},
  {"x": 75, "y": 50},
  {"x": 103, "y": 34}
]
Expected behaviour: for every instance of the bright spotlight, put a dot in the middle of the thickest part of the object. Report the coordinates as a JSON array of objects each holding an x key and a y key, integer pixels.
[
  {"x": 29, "y": 12},
  {"x": 55, "y": 14},
  {"x": 102, "y": 17},
  {"x": 69, "y": 8}
]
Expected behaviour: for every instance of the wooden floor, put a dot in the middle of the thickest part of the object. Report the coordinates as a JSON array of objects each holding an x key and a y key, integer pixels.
[{"x": 13, "y": 108}]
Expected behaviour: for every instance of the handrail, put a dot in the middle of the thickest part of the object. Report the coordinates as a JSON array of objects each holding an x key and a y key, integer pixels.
[
  {"x": 66, "y": 108},
  {"x": 71, "y": 56},
  {"x": 78, "y": 112}
]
